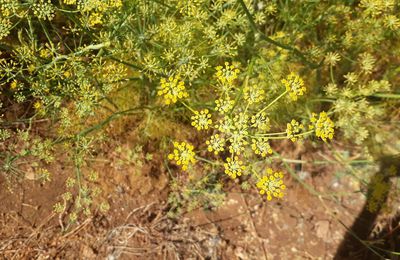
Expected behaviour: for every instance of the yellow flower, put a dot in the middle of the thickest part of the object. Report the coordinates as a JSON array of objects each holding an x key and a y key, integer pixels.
[
  {"x": 216, "y": 144},
  {"x": 37, "y": 105},
  {"x": 331, "y": 58},
  {"x": 69, "y": 2},
  {"x": 293, "y": 129},
  {"x": 237, "y": 142},
  {"x": 294, "y": 85},
  {"x": 392, "y": 22},
  {"x": 324, "y": 127},
  {"x": 376, "y": 7},
  {"x": 14, "y": 84},
  {"x": 240, "y": 121},
  {"x": 234, "y": 167},
  {"x": 44, "y": 10},
  {"x": 261, "y": 146},
  {"x": 189, "y": 8},
  {"x": 31, "y": 68},
  {"x": 5, "y": 27},
  {"x": 172, "y": 89},
  {"x": 183, "y": 155},
  {"x": 115, "y": 3},
  {"x": 225, "y": 125},
  {"x": 95, "y": 18},
  {"x": 367, "y": 62},
  {"x": 270, "y": 9},
  {"x": 201, "y": 120},
  {"x": 260, "y": 121},
  {"x": 271, "y": 184},
  {"x": 224, "y": 105},
  {"x": 351, "y": 78},
  {"x": 45, "y": 53},
  {"x": 227, "y": 74},
  {"x": 253, "y": 94}
]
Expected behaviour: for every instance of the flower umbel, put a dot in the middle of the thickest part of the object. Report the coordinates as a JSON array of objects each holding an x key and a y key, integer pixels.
[
  {"x": 331, "y": 58},
  {"x": 183, "y": 154},
  {"x": 227, "y": 74},
  {"x": 201, "y": 120},
  {"x": 237, "y": 142},
  {"x": 293, "y": 129},
  {"x": 261, "y": 146},
  {"x": 225, "y": 125},
  {"x": 44, "y": 10},
  {"x": 216, "y": 144},
  {"x": 224, "y": 105},
  {"x": 240, "y": 121},
  {"x": 234, "y": 167},
  {"x": 253, "y": 94},
  {"x": 260, "y": 121},
  {"x": 294, "y": 85},
  {"x": 172, "y": 89},
  {"x": 324, "y": 126},
  {"x": 271, "y": 184}
]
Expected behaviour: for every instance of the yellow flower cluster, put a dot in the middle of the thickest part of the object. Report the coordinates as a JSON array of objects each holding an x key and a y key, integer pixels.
[
  {"x": 237, "y": 142},
  {"x": 253, "y": 94},
  {"x": 13, "y": 85},
  {"x": 201, "y": 120},
  {"x": 216, "y": 144},
  {"x": 293, "y": 129},
  {"x": 5, "y": 27},
  {"x": 294, "y": 85},
  {"x": 392, "y": 22},
  {"x": 172, "y": 89},
  {"x": 95, "y": 9},
  {"x": 324, "y": 126},
  {"x": 183, "y": 155},
  {"x": 37, "y": 105},
  {"x": 226, "y": 75},
  {"x": 188, "y": 7},
  {"x": 377, "y": 7},
  {"x": 260, "y": 121},
  {"x": 95, "y": 18},
  {"x": 224, "y": 105},
  {"x": 44, "y": 10},
  {"x": 271, "y": 184},
  {"x": 261, "y": 146},
  {"x": 70, "y": 2},
  {"x": 234, "y": 167},
  {"x": 332, "y": 58},
  {"x": 351, "y": 78}
]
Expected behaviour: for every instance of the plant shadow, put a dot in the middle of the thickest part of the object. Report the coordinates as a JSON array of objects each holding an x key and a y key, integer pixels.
[{"x": 355, "y": 244}]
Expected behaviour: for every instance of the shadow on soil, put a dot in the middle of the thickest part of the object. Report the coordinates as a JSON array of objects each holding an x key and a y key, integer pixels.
[{"x": 355, "y": 244}]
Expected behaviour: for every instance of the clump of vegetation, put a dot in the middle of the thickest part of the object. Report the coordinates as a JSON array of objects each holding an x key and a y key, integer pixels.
[{"x": 245, "y": 74}]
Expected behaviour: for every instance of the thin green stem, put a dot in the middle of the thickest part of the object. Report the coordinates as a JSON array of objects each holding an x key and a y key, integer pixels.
[
  {"x": 322, "y": 100},
  {"x": 247, "y": 107},
  {"x": 272, "y": 134},
  {"x": 273, "y": 102},
  {"x": 387, "y": 95},
  {"x": 286, "y": 137},
  {"x": 207, "y": 161},
  {"x": 255, "y": 173},
  {"x": 188, "y": 107}
]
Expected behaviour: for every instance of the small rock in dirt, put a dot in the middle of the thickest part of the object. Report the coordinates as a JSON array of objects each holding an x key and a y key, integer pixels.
[
  {"x": 322, "y": 229},
  {"x": 87, "y": 252},
  {"x": 304, "y": 175}
]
